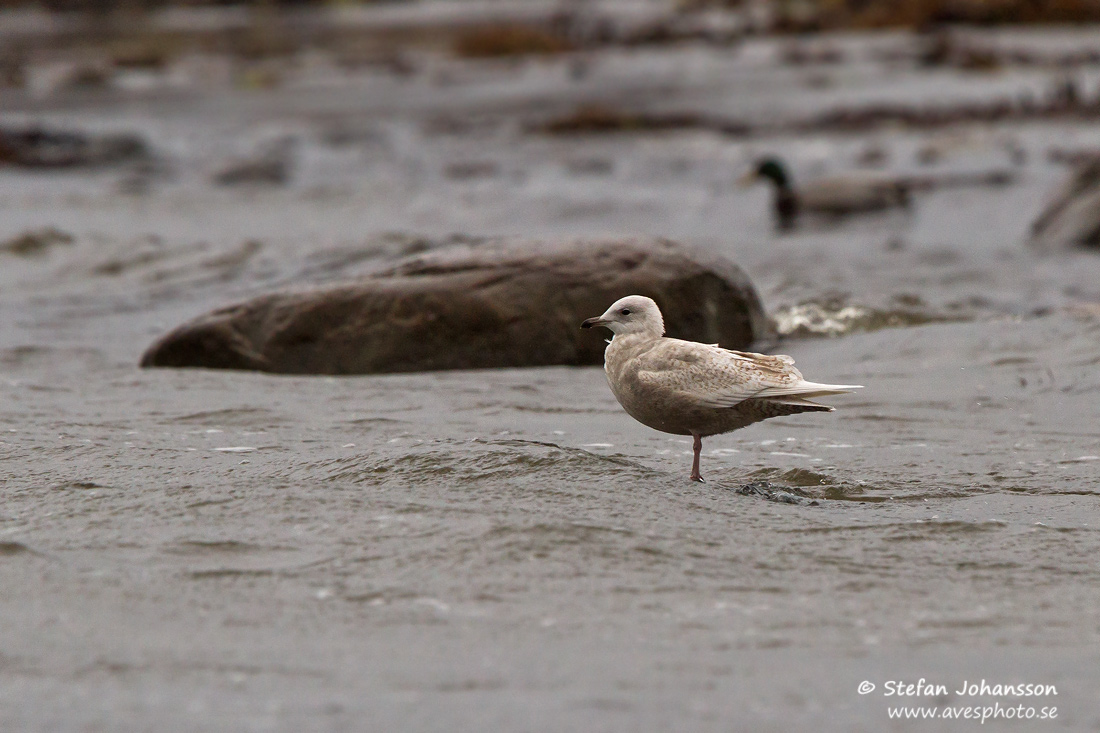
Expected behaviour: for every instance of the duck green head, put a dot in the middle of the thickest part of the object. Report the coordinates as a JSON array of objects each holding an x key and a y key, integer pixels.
[{"x": 773, "y": 168}]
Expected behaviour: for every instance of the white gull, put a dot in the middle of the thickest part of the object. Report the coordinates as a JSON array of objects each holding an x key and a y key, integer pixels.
[{"x": 689, "y": 388}]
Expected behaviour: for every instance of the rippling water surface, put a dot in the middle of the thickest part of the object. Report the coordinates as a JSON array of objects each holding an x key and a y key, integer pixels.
[{"x": 507, "y": 549}]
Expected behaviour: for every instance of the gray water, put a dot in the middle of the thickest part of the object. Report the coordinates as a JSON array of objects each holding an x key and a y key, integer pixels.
[{"x": 508, "y": 550}]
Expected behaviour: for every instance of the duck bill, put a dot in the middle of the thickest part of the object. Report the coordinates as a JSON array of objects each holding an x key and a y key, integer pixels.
[
  {"x": 592, "y": 322},
  {"x": 747, "y": 179}
]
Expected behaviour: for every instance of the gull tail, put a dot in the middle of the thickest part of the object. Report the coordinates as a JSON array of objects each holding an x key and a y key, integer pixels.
[
  {"x": 806, "y": 390},
  {"x": 798, "y": 395}
]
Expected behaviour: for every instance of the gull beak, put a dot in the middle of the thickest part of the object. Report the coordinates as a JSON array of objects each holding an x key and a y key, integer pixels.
[
  {"x": 593, "y": 322},
  {"x": 747, "y": 179}
]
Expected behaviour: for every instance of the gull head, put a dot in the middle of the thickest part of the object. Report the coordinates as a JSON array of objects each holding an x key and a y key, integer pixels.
[{"x": 634, "y": 314}]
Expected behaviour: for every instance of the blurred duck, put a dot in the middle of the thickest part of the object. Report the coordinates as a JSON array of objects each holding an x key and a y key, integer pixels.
[
  {"x": 1072, "y": 215},
  {"x": 833, "y": 196}
]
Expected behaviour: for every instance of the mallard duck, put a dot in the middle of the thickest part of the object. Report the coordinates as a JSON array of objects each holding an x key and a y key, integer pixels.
[
  {"x": 1072, "y": 215},
  {"x": 832, "y": 196}
]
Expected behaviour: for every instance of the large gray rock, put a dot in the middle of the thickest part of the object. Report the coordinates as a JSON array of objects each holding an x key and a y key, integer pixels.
[{"x": 494, "y": 304}]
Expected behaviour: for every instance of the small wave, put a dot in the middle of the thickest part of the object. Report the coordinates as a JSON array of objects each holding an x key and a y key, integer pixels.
[
  {"x": 235, "y": 416},
  {"x": 562, "y": 548},
  {"x": 799, "y": 477},
  {"x": 831, "y": 319},
  {"x": 486, "y": 461},
  {"x": 35, "y": 355},
  {"x": 82, "y": 485},
  {"x": 560, "y": 410},
  {"x": 230, "y": 573},
  {"x": 818, "y": 485},
  {"x": 215, "y": 547}
]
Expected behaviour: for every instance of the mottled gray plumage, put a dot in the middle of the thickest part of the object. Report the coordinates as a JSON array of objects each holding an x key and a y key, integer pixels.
[{"x": 688, "y": 388}]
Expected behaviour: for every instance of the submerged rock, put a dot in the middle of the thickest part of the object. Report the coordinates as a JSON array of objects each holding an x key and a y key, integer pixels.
[
  {"x": 770, "y": 492},
  {"x": 35, "y": 242},
  {"x": 35, "y": 147},
  {"x": 491, "y": 304},
  {"x": 1072, "y": 216},
  {"x": 270, "y": 165}
]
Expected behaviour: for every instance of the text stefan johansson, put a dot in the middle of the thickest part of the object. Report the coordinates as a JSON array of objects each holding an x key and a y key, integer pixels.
[{"x": 924, "y": 688}]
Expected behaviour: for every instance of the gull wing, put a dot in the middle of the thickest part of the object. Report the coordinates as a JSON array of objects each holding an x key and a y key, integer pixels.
[{"x": 715, "y": 377}]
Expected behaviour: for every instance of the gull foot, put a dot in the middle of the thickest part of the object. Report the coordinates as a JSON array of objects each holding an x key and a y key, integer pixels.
[{"x": 697, "y": 477}]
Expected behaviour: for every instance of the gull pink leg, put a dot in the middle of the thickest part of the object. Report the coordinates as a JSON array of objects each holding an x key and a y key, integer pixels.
[{"x": 696, "y": 446}]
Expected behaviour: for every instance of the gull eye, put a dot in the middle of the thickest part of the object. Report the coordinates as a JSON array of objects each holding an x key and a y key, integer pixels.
[{"x": 625, "y": 312}]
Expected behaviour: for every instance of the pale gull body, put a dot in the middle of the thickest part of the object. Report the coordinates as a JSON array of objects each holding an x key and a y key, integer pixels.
[{"x": 689, "y": 388}]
